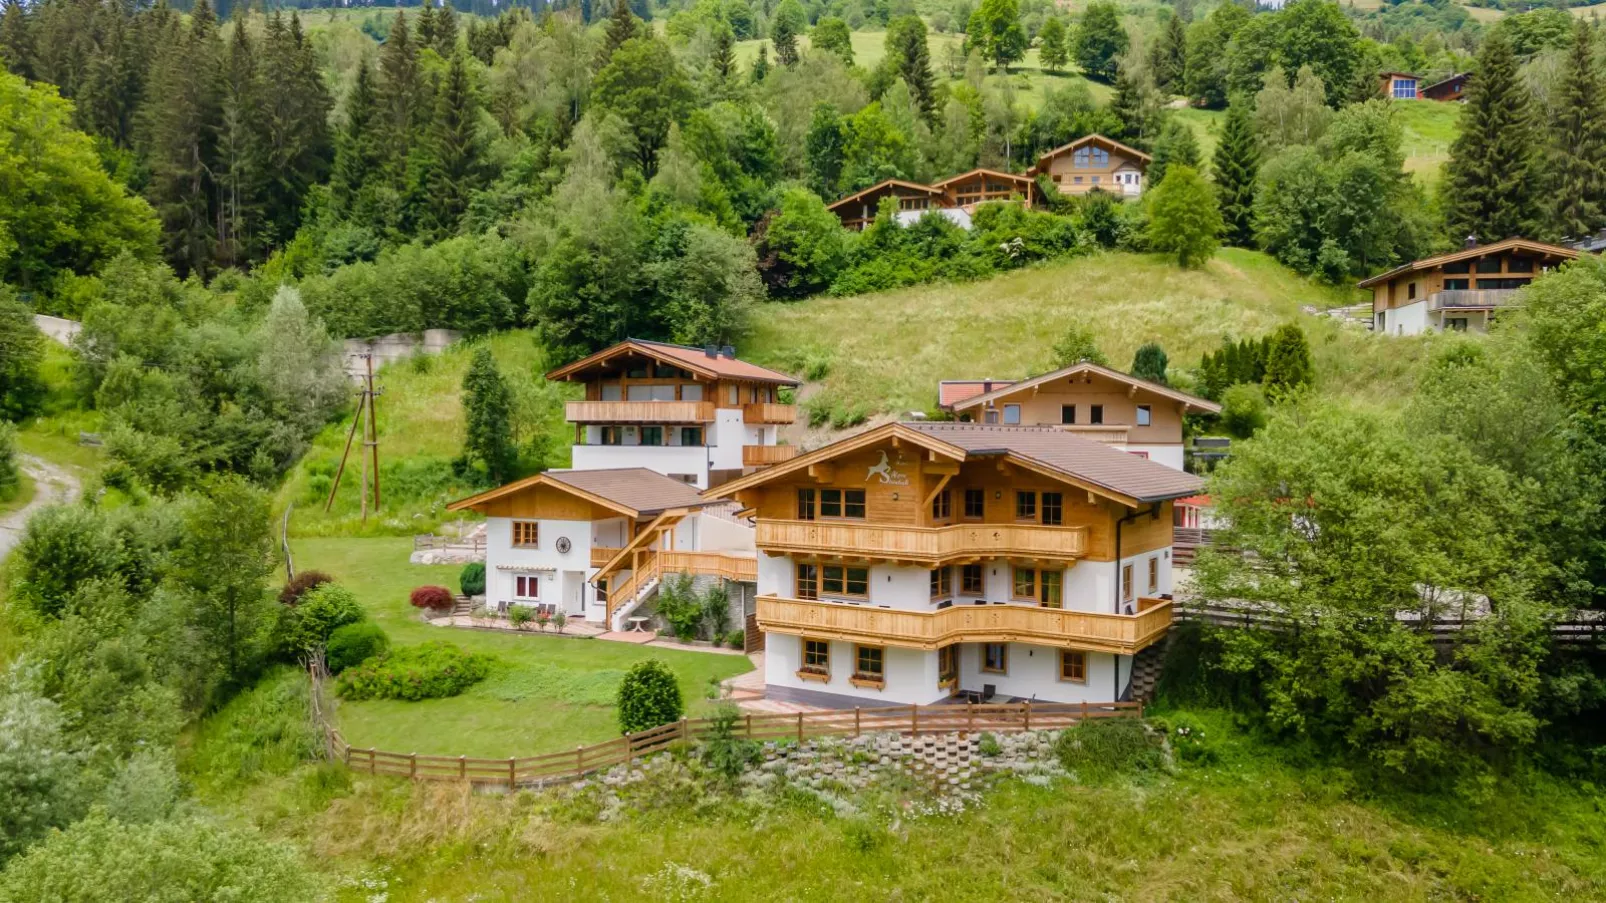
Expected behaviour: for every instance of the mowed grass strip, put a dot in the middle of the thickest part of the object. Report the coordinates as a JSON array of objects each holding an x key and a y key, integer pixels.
[{"x": 547, "y": 694}]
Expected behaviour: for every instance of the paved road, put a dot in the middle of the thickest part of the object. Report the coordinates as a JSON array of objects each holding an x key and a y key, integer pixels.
[{"x": 51, "y": 484}]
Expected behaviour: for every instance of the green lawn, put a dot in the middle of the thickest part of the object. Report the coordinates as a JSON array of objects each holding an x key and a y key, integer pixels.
[
  {"x": 548, "y": 693},
  {"x": 1429, "y": 128},
  {"x": 888, "y": 350}
]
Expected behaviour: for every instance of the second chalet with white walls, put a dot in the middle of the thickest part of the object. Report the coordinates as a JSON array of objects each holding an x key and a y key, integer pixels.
[
  {"x": 698, "y": 415},
  {"x": 1088, "y": 400}
]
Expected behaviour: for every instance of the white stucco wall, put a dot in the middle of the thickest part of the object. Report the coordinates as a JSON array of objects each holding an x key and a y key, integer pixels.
[
  {"x": 1033, "y": 673},
  {"x": 503, "y": 562},
  {"x": 718, "y": 534},
  {"x": 729, "y": 433},
  {"x": 911, "y": 674},
  {"x": 670, "y": 460},
  {"x": 1409, "y": 319},
  {"x": 1169, "y": 455}
]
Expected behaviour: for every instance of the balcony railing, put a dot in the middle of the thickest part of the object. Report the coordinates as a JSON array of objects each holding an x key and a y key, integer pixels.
[
  {"x": 1122, "y": 634},
  {"x": 769, "y": 413},
  {"x": 765, "y": 455},
  {"x": 1108, "y": 433},
  {"x": 639, "y": 411},
  {"x": 1474, "y": 299},
  {"x": 601, "y": 555},
  {"x": 920, "y": 544}
]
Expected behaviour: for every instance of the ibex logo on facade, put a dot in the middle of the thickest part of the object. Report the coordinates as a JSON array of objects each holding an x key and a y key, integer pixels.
[{"x": 886, "y": 473}]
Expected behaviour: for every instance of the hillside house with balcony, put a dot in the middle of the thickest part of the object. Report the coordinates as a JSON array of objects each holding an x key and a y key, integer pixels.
[
  {"x": 857, "y": 211},
  {"x": 1088, "y": 400},
  {"x": 916, "y": 562},
  {"x": 1448, "y": 89},
  {"x": 699, "y": 415},
  {"x": 594, "y": 544},
  {"x": 1463, "y": 290},
  {"x": 1094, "y": 163},
  {"x": 1400, "y": 85}
]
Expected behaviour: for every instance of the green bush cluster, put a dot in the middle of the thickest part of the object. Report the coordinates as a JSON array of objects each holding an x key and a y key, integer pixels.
[
  {"x": 1107, "y": 746},
  {"x": 649, "y": 696},
  {"x": 353, "y": 644},
  {"x": 432, "y": 670},
  {"x": 307, "y": 625}
]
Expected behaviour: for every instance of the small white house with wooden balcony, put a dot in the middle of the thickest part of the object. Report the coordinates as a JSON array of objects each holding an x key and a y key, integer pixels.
[
  {"x": 1460, "y": 291},
  {"x": 699, "y": 415},
  {"x": 1089, "y": 400},
  {"x": 916, "y": 562},
  {"x": 594, "y": 543}
]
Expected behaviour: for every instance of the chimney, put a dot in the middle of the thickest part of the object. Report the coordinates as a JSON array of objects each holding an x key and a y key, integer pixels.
[
  {"x": 728, "y": 351},
  {"x": 1471, "y": 242},
  {"x": 711, "y": 350}
]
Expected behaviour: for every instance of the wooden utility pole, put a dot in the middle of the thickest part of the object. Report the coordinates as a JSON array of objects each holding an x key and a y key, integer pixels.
[{"x": 365, "y": 418}]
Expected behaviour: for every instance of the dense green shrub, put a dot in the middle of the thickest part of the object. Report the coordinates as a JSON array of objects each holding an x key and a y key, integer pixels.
[
  {"x": 1243, "y": 410},
  {"x": 63, "y": 546},
  {"x": 1103, "y": 746},
  {"x": 1188, "y": 739},
  {"x": 472, "y": 580},
  {"x": 432, "y": 598},
  {"x": 723, "y": 752},
  {"x": 736, "y": 639},
  {"x": 99, "y": 860},
  {"x": 679, "y": 606},
  {"x": 520, "y": 616},
  {"x": 9, "y": 475},
  {"x": 649, "y": 696},
  {"x": 304, "y": 627},
  {"x": 301, "y": 584},
  {"x": 427, "y": 671},
  {"x": 353, "y": 644}
]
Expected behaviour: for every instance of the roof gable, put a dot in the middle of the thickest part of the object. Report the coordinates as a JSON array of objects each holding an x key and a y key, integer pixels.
[
  {"x": 884, "y": 185},
  {"x": 695, "y": 360},
  {"x": 1109, "y": 143},
  {"x": 1088, "y": 367},
  {"x": 1509, "y": 244},
  {"x": 631, "y": 492},
  {"x": 984, "y": 173}
]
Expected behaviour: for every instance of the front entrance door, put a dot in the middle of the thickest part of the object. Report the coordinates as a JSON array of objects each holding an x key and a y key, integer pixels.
[{"x": 574, "y": 595}]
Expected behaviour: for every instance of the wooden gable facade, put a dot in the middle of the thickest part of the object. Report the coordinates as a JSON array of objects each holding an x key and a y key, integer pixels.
[{"x": 1094, "y": 163}]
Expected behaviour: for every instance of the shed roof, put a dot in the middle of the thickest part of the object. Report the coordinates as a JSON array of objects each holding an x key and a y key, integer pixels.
[
  {"x": 1089, "y": 367},
  {"x": 634, "y": 492},
  {"x": 1428, "y": 263}
]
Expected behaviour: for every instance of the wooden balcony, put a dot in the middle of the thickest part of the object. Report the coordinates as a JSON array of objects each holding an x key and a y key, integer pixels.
[
  {"x": 1097, "y": 632},
  {"x": 1472, "y": 299},
  {"x": 639, "y": 412},
  {"x": 925, "y": 545},
  {"x": 601, "y": 555},
  {"x": 1107, "y": 433},
  {"x": 769, "y": 413},
  {"x": 765, "y": 455}
]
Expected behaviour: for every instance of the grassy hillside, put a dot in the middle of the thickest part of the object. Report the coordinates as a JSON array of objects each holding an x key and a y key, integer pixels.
[{"x": 888, "y": 350}]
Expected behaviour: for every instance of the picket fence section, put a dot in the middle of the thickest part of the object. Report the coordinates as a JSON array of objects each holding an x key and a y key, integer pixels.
[{"x": 584, "y": 760}]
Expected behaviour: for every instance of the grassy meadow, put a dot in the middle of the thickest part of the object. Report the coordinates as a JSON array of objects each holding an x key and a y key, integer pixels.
[
  {"x": 548, "y": 693},
  {"x": 889, "y": 350},
  {"x": 1250, "y": 825}
]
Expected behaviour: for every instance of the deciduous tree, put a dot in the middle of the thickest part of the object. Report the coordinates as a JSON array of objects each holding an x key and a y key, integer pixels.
[
  {"x": 1183, "y": 218},
  {"x": 831, "y": 35},
  {"x": 1051, "y": 44},
  {"x": 1100, "y": 40}
]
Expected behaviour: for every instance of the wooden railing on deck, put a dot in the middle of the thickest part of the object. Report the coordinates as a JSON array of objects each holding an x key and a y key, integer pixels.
[
  {"x": 925, "y": 544},
  {"x": 769, "y": 413},
  {"x": 639, "y": 411},
  {"x": 655, "y": 564},
  {"x": 601, "y": 555},
  {"x": 765, "y": 455},
  {"x": 1097, "y": 631}
]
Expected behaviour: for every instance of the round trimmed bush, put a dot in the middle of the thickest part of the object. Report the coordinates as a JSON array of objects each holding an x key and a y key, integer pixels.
[
  {"x": 649, "y": 696},
  {"x": 472, "y": 580},
  {"x": 354, "y": 644},
  {"x": 433, "y": 598},
  {"x": 303, "y": 583},
  {"x": 307, "y": 625}
]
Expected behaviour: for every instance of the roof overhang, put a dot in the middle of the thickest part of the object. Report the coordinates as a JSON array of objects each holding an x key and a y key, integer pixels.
[
  {"x": 1013, "y": 177},
  {"x": 1510, "y": 244},
  {"x": 888, "y": 183},
  {"x": 1091, "y": 139},
  {"x": 477, "y": 502},
  {"x": 1141, "y": 385},
  {"x": 647, "y": 349}
]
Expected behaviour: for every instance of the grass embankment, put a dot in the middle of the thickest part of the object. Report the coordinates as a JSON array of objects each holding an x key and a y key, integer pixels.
[
  {"x": 420, "y": 420},
  {"x": 889, "y": 350},
  {"x": 1250, "y": 826},
  {"x": 547, "y": 693},
  {"x": 18, "y": 495}
]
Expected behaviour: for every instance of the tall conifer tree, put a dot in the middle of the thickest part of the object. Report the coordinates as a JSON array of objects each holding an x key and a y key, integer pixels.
[
  {"x": 621, "y": 28},
  {"x": 1491, "y": 186},
  {"x": 1235, "y": 165},
  {"x": 910, "y": 57},
  {"x": 241, "y": 162},
  {"x": 1578, "y": 142},
  {"x": 400, "y": 91},
  {"x": 1170, "y": 57},
  {"x": 180, "y": 123},
  {"x": 446, "y": 30},
  {"x": 16, "y": 39},
  {"x": 357, "y": 155},
  {"x": 455, "y": 153}
]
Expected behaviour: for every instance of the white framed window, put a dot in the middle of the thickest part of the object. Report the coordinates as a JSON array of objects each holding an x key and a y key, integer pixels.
[{"x": 527, "y": 586}]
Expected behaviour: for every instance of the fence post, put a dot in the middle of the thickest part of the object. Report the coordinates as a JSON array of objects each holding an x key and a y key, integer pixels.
[
  {"x": 579, "y": 760},
  {"x": 685, "y": 729},
  {"x": 750, "y": 727},
  {"x": 1084, "y": 711},
  {"x": 856, "y": 711},
  {"x": 970, "y": 715},
  {"x": 462, "y": 767},
  {"x": 512, "y": 776},
  {"x": 630, "y": 751},
  {"x": 914, "y": 721},
  {"x": 1140, "y": 708},
  {"x": 1028, "y": 725},
  {"x": 800, "y": 728},
  {"x": 372, "y": 765}
]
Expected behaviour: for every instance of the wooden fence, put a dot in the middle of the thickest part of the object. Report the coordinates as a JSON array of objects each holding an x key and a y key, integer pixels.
[
  {"x": 583, "y": 760},
  {"x": 1581, "y": 628},
  {"x": 424, "y": 542}
]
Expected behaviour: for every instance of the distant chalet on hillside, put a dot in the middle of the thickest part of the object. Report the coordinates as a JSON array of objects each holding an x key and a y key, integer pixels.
[
  {"x": 1091, "y": 163},
  {"x": 1461, "y": 290},
  {"x": 1450, "y": 89}
]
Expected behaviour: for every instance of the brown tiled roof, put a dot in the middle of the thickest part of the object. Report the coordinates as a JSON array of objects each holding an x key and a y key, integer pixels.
[
  {"x": 645, "y": 491},
  {"x": 1082, "y": 459},
  {"x": 696, "y": 360},
  {"x": 1467, "y": 253},
  {"x": 1005, "y": 389},
  {"x": 983, "y": 171},
  {"x": 952, "y": 391},
  {"x": 635, "y": 491}
]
